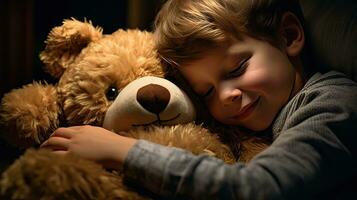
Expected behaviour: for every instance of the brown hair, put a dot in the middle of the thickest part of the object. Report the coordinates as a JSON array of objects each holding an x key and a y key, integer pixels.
[{"x": 185, "y": 29}]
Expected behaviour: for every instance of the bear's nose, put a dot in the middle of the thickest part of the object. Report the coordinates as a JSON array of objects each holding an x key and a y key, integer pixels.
[{"x": 153, "y": 98}]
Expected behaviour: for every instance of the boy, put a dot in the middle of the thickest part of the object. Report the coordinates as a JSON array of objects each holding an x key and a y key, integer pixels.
[{"x": 244, "y": 59}]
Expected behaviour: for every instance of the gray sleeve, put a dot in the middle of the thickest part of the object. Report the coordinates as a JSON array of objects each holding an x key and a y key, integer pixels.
[
  {"x": 175, "y": 172},
  {"x": 312, "y": 153}
]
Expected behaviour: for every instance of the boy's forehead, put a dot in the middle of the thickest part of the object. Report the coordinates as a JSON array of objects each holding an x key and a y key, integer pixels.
[
  {"x": 235, "y": 48},
  {"x": 226, "y": 48}
]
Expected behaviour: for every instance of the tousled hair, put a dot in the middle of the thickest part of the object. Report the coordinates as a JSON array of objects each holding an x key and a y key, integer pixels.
[{"x": 185, "y": 29}]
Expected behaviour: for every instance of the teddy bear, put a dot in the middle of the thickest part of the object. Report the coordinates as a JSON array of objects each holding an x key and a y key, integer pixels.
[{"x": 116, "y": 81}]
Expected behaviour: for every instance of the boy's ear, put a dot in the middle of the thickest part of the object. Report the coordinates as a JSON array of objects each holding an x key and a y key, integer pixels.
[{"x": 292, "y": 34}]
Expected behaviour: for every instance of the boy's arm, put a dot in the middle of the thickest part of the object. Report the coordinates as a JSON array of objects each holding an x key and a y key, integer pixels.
[
  {"x": 286, "y": 170},
  {"x": 312, "y": 153},
  {"x": 172, "y": 172}
]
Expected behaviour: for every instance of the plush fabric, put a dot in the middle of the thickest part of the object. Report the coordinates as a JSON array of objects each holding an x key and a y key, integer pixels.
[{"x": 110, "y": 80}]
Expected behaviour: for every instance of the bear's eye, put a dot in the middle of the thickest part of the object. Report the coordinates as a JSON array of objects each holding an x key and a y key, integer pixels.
[{"x": 112, "y": 93}]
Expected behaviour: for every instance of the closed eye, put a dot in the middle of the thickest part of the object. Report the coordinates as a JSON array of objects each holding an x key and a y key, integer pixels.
[
  {"x": 207, "y": 93},
  {"x": 239, "y": 69}
]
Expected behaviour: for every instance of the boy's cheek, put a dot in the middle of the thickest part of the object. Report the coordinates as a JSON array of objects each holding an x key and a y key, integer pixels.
[{"x": 257, "y": 79}]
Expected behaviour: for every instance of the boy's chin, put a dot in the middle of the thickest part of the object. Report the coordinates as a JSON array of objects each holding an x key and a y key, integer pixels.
[{"x": 258, "y": 126}]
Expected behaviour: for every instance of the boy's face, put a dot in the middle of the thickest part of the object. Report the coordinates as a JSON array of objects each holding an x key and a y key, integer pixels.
[{"x": 245, "y": 83}]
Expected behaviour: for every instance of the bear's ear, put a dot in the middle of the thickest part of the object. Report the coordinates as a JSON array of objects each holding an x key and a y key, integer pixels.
[{"x": 64, "y": 43}]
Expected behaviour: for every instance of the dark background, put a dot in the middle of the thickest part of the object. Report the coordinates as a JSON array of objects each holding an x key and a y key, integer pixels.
[{"x": 24, "y": 25}]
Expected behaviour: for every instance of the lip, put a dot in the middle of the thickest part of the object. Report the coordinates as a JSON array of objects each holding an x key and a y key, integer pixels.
[{"x": 247, "y": 110}]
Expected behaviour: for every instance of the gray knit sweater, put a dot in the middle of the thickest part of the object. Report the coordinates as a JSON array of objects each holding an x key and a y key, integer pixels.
[{"x": 314, "y": 152}]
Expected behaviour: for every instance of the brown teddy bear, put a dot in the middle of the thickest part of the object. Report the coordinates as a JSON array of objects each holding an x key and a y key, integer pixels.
[{"x": 115, "y": 81}]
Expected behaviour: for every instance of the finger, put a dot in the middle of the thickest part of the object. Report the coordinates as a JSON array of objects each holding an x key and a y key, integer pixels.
[
  {"x": 60, "y": 152},
  {"x": 63, "y": 132},
  {"x": 56, "y": 142},
  {"x": 75, "y": 127},
  {"x": 53, "y": 148},
  {"x": 122, "y": 133},
  {"x": 80, "y": 127}
]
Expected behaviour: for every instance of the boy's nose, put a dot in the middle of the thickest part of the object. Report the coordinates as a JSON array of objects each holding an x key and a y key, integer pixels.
[{"x": 228, "y": 96}]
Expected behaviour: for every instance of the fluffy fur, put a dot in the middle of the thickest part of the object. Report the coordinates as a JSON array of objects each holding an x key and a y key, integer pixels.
[{"x": 88, "y": 64}]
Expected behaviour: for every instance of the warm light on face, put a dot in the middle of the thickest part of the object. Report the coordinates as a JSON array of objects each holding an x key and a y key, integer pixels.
[{"x": 244, "y": 84}]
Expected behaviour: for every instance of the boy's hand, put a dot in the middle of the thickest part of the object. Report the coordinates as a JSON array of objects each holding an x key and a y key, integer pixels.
[{"x": 90, "y": 142}]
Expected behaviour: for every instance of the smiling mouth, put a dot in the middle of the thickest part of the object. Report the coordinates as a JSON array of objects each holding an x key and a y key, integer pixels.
[
  {"x": 247, "y": 110},
  {"x": 158, "y": 121}
]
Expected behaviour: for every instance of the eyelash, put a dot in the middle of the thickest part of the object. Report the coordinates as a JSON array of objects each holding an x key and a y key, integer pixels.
[
  {"x": 239, "y": 69},
  {"x": 207, "y": 93},
  {"x": 236, "y": 72}
]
